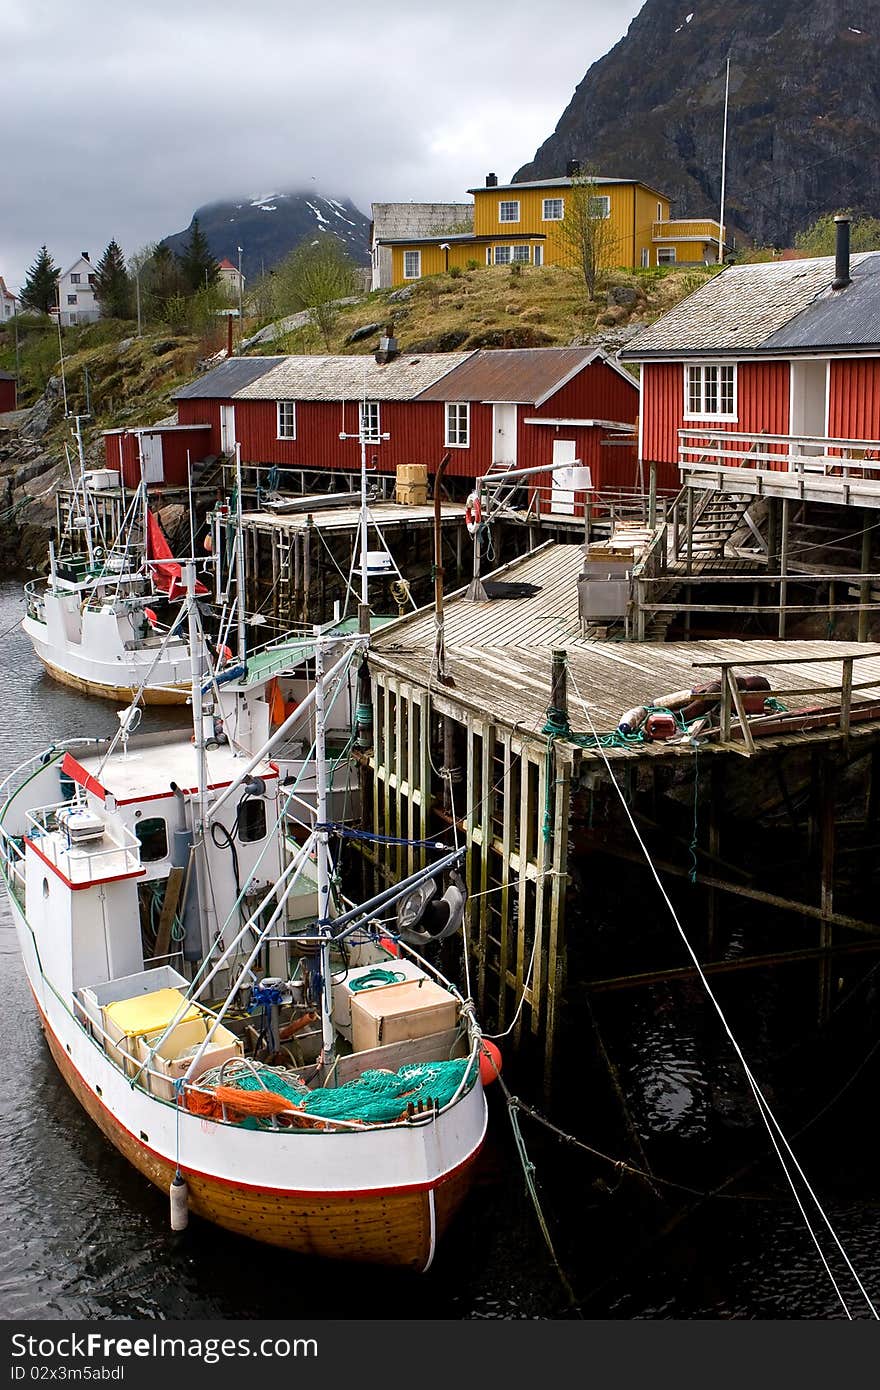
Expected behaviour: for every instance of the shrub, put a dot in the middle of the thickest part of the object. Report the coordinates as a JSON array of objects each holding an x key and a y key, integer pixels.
[{"x": 455, "y": 271}]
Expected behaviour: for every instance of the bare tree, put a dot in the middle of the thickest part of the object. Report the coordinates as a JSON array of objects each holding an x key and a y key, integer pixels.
[{"x": 586, "y": 230}]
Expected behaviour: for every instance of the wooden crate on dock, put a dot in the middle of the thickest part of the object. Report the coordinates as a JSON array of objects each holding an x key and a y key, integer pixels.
[{"x": 412, "y": 484}]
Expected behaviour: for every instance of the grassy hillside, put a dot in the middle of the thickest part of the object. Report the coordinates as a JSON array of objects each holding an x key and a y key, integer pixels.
[{"x": 117, "y": 378}]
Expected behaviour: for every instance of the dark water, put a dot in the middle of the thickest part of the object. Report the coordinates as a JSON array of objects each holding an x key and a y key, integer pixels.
[{"x": 82, "y": 1235}]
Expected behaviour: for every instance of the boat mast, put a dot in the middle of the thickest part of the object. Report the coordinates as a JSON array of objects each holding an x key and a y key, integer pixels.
[
  {"x": 323, "y": 853},
  {"x": 200, "y": 821},
  {"x": 82, "y": 476},
  {"x": 239, "y": 558}
]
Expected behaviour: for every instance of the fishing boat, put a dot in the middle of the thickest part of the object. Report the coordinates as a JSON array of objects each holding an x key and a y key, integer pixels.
[
  {"x": 94, "y": 621},
  {"x": 279, "y": 1060}
]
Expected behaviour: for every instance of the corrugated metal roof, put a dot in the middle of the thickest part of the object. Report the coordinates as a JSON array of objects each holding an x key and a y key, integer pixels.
[
  {"x": 351, "y": 378},
  {"x": 739, "y": 310},
  {"x": 524, "y": 375},
  {"x": 848, "y": 318},
  {"x": 222, "y": 382}
]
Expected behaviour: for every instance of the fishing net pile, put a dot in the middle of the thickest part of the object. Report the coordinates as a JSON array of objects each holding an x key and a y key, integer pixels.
[{"x": 254, "y": 1095}]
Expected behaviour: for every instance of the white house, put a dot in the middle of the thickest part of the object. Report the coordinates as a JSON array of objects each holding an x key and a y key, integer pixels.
[
  {"x": 8, "y": 302},
  {"x": 230, "y": 279},
  {"x": 76, "y": 293}
]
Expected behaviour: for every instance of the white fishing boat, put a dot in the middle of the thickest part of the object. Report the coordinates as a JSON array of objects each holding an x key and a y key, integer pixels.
[
  {"x": 92, "y": 621},
  {"x": 279, "y": 1061}
]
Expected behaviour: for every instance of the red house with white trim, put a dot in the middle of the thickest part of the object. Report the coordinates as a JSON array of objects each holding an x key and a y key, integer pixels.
[
  {"x": 519, "y": 407},
  {"x": 766, "y": 380}
]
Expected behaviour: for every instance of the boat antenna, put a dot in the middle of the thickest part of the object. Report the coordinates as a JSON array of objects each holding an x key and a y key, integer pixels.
[
  {"x": 196, "y": 644},
  {"x": 82, "y": 474},
  {"x": 723, "y": 167},
  {"x": 363, "y": 524},
  {"x": 61, "y": 352}
]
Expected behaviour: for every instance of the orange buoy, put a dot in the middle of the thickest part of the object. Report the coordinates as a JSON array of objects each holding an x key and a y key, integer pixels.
[
  {"x": 490, "y": 1061},
  {"x": 208, "y": 543},
  {"x": 390, "y": 946}
]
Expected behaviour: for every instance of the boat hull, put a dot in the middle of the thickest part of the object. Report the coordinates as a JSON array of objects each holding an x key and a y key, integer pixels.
[{"x": 166, "y": 696}]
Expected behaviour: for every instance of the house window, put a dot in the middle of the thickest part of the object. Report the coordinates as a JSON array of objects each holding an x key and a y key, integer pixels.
[
  {"x": 488, "y": 255},
  {"x": 502, "y": 255},
  {"x": 539, "y": 255},
  {"x": 153, "y": 837},
  {"x": 554, "y": 210},
  {"x": 600, "y": 205},
  {"x": 71, "y": 299},
  {"x": 458, "y": 424},
  {"x": 646, "y": 256},
  {"x": 659, "y": 212},
  {"x": 412, "y": 265},
  {"x": 508, "y": 211},
  {"x": 521, "y": 254},
  {"x": 666, "y": 255},
  {"x": 74, "y": 279},
  {"x": 710, "y": 391},
  {"x": 92, "y": 279},
  {"x": 287, "y": 419},
  {"x": 369, "y": 422},
  {"x": 72, "y": 320}
]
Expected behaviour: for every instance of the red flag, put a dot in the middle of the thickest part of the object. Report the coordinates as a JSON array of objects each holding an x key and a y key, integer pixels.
[{"x": 166, "y": 571}]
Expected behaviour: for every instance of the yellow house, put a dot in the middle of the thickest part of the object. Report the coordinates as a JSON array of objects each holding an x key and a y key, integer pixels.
[{"x": 523, "y": 222}]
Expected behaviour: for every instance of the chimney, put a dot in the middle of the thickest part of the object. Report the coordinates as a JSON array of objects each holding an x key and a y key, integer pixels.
[
  {"x": 491, "y": 180},
  {"x": 387, "y": 346},
  {"x": 842, "y": 277},
  {"x": 572, "y": 168},
  {"x": 85, "y": 256}
]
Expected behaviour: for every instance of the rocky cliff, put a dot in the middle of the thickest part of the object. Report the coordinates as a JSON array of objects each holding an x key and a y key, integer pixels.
[{"x": 804, "y": 110}]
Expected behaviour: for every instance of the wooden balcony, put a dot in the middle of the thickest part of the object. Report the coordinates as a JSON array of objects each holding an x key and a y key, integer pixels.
[
  {"x": 812, "y": 468},
  {"x": 687, "y": 229}
]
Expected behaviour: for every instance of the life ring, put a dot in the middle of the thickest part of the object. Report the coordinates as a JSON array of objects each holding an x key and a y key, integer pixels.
[{"x": 473, "y": 513}]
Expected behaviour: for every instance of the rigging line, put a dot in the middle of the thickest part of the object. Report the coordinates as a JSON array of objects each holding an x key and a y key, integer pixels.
[{"x": 763, "y": 1106}]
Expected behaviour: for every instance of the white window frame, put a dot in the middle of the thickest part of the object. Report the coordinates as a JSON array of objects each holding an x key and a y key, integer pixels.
[
  {"x": 539, "y": 256},
  {"x": 646, "y": 257},
  {"x": 286, "y": 419},
  {"x": 599, "y": 198},
  {"x": 406, "y": 273},
  {"x": 75, "y": 278},
  {"x": 71, "y": 299},
  {"x": 369, "y": 423},
  {"x": 660, "y": 217},
  {"x": 505, "y": 259},
  {"x": 552, "y": 216},
  {"x": 700, "y": 375},
  {"x": 508, "y": 203},
  {"x": 458, "y": 436},
  {"x": 666, "y": 255},
  {"x": 488, "y": 255},
  {"x": 517, "y": 257}
]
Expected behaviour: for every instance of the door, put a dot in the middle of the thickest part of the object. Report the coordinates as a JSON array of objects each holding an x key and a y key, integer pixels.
[
  {"x": 809, "y": 385},
  {"x": 504, "y": 436},
  {"x": 227, "y": 429},
  {"x": 151, "y": 458},
  {"x": 562, "y": 497}
]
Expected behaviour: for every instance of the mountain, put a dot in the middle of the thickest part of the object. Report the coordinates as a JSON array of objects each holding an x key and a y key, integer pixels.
[
  {"x": 267, "y": 227},
  {"x": 803, "y": 122}
]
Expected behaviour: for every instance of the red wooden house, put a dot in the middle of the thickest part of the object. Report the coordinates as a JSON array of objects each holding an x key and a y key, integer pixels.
[
  {"x": 156, "y": 453},
  {"x": 523, "y": 408},
  {"x": 766, "y": 381}
]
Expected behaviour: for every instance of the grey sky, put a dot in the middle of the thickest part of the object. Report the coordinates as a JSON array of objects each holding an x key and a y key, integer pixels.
[{"x": 121, "y": 118}]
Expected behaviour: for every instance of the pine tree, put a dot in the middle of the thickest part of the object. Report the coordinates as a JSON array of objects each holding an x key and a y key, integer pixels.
[
  {"x": 198, "y": 267},
  {"x": 40, "y": 292},
  {"x": 113, "y": 283}
]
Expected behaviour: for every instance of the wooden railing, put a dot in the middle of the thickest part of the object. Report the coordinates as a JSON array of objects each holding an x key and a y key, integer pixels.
[
  {"x": 687, "y": 229},
  {"x": 778, "y": 452}
]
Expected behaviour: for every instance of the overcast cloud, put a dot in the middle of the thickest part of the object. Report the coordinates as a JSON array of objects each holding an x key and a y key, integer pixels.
[{"x": 121, "y": 118}]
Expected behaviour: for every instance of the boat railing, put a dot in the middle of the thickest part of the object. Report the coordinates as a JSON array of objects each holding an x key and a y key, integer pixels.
[
  {"x": 34, "y": 764},
  {"x": 46, "y": 827}
]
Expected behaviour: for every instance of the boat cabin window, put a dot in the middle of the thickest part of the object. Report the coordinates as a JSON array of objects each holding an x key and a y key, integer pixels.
[
  {"x": 251, "y": 819},
  {"x": 153, "y": 837}
]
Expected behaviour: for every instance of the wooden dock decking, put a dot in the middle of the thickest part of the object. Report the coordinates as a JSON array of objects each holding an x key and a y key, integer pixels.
[{"x": 499, "y": 656}]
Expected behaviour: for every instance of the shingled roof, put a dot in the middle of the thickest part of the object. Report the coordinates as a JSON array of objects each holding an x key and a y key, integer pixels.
[
  {"x": 351, "y": 378},
  {"x": 746, "y": 310}
]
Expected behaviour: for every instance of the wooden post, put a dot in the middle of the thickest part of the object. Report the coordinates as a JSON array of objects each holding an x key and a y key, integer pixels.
[
  {"x": 865, "y": 587},
  {"x": 689, "y": 526},
  {"x": 725, "y": 707},
  {"x": 783, "y": 565},
  {"x": 652, "y": 495},
  {"x": 827, "y": 784},
  {"x": 675, "y": 529},
  {"x": 846, "y": 696},
  {"x": 772, "y": 533}
]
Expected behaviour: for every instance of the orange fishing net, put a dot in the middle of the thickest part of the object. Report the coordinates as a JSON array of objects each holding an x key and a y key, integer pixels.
[{"x": 239, "y": 1105}]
